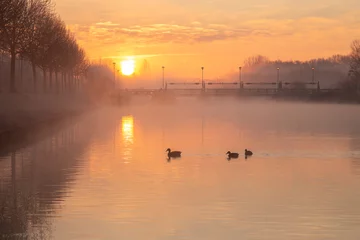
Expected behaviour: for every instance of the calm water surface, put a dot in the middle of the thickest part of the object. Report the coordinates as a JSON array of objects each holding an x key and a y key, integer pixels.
[{"x": 105, "y": 175}]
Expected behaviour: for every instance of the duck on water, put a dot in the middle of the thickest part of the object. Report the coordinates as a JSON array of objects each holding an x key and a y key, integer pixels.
[
  {"x": 248, "y": 153},
  {"x": 232, "y": 155},
  {"x": 173, "y": 154}
]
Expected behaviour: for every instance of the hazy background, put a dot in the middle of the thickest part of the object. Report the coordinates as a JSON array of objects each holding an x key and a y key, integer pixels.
[{"x": 219, "y": 35}]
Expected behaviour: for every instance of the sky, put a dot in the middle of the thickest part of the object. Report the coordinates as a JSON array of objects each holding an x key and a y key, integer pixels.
[{"x": 185, "y": 35}]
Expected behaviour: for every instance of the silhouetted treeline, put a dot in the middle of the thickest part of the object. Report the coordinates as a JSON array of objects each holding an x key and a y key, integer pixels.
[
  {"x": 338, "y": 71},
  {"x": 328, "y": 71},
  {"x": 100, "y": 80},
  {"x": 33, "y": 37}
]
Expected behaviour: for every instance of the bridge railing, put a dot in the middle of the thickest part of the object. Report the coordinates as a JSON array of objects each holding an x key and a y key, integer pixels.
[
  {"x": 270, "y": 87},
  {"x": 229, "y": 91}
]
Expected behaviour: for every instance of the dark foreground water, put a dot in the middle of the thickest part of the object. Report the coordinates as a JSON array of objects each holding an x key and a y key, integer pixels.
[{"x": 105, "y": 175}]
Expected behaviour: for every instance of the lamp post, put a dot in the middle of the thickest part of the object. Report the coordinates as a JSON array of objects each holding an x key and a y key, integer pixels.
[
  {"x": 278, "y": 79},
  {"x": 114, "y": 64},
  {"x": 240, "y": 77},
  {"x": 313, "y": 75},
  {"x": 202, "y": 77},
  {"x": 163, "y": 77},
  {"x": 118, "y": 74}
]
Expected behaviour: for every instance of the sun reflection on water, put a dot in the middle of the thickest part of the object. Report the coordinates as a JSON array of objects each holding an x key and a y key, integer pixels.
[
  {"x": 127, "y": 123},
  {"x": 127, "y": 130}
]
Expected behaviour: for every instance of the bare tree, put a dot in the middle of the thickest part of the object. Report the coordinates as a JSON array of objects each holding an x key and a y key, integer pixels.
[
  {"x": 255, "y": 60},
  {"x": 49, "y": 32},
  {"x": 57, "y": 51},
  {"x": 73, "y": 62},
  {"x": 54, "y": 53},
  {"x": 80, "y": 65},
  {"x": 32, "y": 45},
  {"x": 12, "y": 22},
  {"x": 16, "y": 19},
  {"x": 354, "y": 72}
]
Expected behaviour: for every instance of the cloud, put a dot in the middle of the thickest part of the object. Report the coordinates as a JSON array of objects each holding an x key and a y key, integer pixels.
[
  {"x": 107, "y": 24},
  {"x": 108, "y": 32},
  {"x": 166, "y": 33},
  {"x": 151, "y": 55},
  {"x": 109, "y": 38}
]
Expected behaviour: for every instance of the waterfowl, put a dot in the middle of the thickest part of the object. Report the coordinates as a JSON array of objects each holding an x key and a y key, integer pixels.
[
  {"x": 248, "y": 152},
  {"x": 232, "y": 155},
  {"x": 173, "y": 154}
]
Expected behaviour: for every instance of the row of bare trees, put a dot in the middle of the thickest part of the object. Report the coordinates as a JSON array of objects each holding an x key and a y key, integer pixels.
[{"x": 31, "y": 30}]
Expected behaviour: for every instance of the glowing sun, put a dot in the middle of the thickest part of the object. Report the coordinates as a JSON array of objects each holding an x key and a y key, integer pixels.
[{"x": 127, "y": 67}]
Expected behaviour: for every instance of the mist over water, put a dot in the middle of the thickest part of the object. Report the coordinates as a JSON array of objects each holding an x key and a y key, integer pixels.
[{"x": 105, "y": 175}]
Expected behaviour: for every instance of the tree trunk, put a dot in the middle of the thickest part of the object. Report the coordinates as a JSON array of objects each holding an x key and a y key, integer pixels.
[
  {"x": 70, "y": 82},
  {"x": 44, "y": 80},
  {"x": 50, "y": 80},
  {"x": 34, "y": 77},
  {"x": 57, "y": 82},
  {"x": 65, "y": 82},
  {"x": 73, "y": 81},
  {"x": 21, "y": 75},
  {"x": 12, "y": 70},
  {"x": 62, "y": 82}
]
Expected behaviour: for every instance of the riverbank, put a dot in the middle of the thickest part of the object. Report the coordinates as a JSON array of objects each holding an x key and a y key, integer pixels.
[
  {"x": 327, "y": 97},
  {"x": 22, "y": 112}
]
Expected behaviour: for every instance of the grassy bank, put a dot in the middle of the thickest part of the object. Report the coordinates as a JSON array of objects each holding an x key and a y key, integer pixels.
[{"x": 23, "y": 111}]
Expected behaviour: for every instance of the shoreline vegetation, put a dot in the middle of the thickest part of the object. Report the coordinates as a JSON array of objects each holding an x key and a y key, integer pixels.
[
  {"x": 44, "y": 73},
  {"x": 327, "y": 97},
  {"x": 28, "y": 112}
]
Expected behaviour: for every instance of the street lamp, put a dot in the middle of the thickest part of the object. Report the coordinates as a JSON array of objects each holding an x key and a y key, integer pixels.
[
  {"x": 313, "y": 75},
  {"x": 240, "y": 77},
  {"x": 163, "y": 76},
  {"x": 118, "y": 74},
  {"x": 279, "y": 85},
  {"x": 202, "y": 77},
  {"x": 114, "y": 71}
]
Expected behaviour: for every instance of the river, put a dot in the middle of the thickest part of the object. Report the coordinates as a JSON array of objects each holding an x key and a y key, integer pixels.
[{"x": 105, "y": 174}]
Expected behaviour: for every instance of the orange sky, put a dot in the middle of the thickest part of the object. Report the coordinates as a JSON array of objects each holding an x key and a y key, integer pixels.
[{"x": 184, "y": 35}]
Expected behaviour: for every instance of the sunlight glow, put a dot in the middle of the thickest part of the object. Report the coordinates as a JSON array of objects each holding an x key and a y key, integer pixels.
[
  {"x": 128, "y": 129},
  {"x": 127, "y": 67}
]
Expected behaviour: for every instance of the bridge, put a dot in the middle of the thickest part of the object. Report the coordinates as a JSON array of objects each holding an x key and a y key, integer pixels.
[{"x": 231, "y": 88}]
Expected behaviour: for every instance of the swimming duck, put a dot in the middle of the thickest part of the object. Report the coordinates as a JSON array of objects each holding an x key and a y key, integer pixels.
[
  {"x": 232, "y": 155},
  {"x": 173, "y": 154},
  {"x": 248, "y": 152}
]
